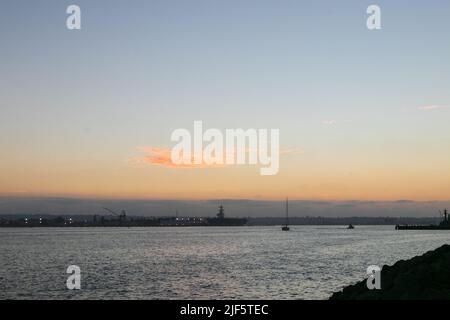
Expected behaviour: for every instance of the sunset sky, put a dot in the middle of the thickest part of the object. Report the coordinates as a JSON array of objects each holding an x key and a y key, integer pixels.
[{"x": 363, "y": 115}]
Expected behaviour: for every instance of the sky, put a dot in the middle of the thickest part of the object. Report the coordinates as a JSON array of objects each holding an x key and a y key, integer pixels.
[{"x": 363, "y": 115}]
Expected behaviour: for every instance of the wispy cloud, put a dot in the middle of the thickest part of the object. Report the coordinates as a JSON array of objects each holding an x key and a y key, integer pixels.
[
  {"x": 162, "y": 157},
  {"x": 291, "y": 151},
  {"x": 329, "y": 122},
  {"x": 433, "y": 107}
]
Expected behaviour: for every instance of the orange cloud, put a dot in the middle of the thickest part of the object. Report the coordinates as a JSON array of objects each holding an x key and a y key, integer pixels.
[{"x": 162, "y": 157}]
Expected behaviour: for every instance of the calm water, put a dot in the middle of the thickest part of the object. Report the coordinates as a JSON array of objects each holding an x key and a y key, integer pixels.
[{"x": 200, "y": 263}]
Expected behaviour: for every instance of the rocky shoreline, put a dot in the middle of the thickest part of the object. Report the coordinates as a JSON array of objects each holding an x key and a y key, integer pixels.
[{"x": 423, "y": 277}]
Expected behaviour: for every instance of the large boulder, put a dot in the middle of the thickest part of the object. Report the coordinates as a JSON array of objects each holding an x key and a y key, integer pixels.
[{"x": 422, "y": 277}]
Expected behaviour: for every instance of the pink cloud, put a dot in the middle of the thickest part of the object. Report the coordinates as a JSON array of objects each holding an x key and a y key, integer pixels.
[{"x": 162, "y": 157}]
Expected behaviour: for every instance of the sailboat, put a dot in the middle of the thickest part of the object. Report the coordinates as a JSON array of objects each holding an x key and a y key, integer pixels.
[{"x": 286, "y": 226}]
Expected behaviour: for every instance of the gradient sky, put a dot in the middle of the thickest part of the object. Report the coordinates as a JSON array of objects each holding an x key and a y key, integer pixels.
[{"x": 368, "y": 112}]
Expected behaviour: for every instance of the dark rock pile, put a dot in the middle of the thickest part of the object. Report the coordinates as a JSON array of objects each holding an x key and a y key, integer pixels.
[{"x": 422, "y": 277}]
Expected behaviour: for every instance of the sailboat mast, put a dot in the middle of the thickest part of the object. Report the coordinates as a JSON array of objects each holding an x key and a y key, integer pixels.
[
  {"x": 286, "y": 226},
  {"x": 287, "y": 211}
]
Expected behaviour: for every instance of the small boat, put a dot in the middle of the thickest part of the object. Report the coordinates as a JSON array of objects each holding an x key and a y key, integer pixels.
[
  {"x": 286, "y": 226},
  {"x": 350, "y": 226}
]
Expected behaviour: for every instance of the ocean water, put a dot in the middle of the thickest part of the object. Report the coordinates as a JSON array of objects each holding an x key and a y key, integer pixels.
[{"x": 309, "y": 262}]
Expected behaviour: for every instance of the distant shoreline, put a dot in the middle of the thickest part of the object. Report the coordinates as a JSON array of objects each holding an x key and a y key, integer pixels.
[{"x": 10, "y": 221}]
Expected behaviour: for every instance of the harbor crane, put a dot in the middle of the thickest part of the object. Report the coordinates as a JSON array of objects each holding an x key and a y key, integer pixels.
[{"x": 122, "y": 216}]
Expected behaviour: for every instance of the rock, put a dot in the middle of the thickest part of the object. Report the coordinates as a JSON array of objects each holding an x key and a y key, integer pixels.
[{"x": 422, "y": 277}]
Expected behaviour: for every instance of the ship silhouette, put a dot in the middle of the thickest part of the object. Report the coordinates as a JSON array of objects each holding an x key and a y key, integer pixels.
[
  {"x": 220, "y": 220},
  {"x": 443, "y": 225}
]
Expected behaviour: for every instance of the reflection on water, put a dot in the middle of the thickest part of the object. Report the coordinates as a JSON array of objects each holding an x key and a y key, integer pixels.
[{"x": 200, "y": 262}]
